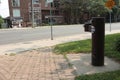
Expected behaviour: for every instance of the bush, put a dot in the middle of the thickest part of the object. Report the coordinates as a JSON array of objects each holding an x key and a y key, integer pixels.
[{"x": 1, "y": 21}]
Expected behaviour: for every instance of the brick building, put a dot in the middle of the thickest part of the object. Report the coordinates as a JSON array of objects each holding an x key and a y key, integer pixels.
[{"x": 21, "y": 12}]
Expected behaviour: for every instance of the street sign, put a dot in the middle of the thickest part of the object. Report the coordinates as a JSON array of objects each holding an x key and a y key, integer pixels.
[{"x": 110, "y": 4}]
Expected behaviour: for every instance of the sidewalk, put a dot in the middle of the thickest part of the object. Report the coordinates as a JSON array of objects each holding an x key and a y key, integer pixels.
[
  {"x": 38, "y": 64},
  {"x": 82, "y": 64}
]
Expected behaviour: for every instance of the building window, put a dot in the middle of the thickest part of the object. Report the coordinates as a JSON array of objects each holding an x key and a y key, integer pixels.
[
  {"x": 16, "y": 3},
  {"x": 56, "y": 4},
  {"x": 16, "y": 12},
  {"x": 35, "y": 1}
]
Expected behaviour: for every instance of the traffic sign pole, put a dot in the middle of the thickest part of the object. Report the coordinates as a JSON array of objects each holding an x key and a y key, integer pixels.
[
  {"x": 51, "y": 22},
  {"x": 110, "y": 21},
  {"x": 51, "y": 27},
  {"x": 110, "y": 4}
]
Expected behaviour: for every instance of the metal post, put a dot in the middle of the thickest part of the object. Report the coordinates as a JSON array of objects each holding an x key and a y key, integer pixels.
[
  {"x": 51, "y": 21},
  {"x": 110, "y": 20},
  {"x": 98, "y": 41},
  {"x": 32, "y": 9}
]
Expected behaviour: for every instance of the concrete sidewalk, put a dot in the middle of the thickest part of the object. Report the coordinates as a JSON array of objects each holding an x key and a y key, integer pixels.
[
  {"x": 24, "y": 46},
  {"x": 82, "y": 64}
]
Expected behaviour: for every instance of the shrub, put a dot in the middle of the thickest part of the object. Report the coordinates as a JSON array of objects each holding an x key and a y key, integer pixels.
[{"x": 1, "y": 21}]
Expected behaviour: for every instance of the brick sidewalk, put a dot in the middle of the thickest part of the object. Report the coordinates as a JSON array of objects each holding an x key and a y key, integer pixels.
[{"x": 38, "y": 64}]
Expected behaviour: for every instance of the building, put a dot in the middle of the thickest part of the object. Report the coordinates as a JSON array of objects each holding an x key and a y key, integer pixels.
[{"x": 21, "y": 12}]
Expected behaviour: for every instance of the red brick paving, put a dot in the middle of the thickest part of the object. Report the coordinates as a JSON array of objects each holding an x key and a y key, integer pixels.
[{"x": 38, "y": 64}]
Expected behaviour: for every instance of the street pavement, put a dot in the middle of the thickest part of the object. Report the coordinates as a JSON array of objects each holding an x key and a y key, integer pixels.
[
  {"x": 34, "y": 60},
  {"x": 28, "y": 45},
  {"x": 16, "y": 35}
]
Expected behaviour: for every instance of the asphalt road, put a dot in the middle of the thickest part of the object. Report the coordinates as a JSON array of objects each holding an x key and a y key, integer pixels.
[{"x": 8, "y": 36}]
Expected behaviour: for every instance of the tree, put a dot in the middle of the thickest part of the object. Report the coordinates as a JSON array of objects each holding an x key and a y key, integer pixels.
[
  {"x": 1, "y": 21},
  {"x": 74, "y": 10},
  {"x": 65, "y": 7},
  {"x": 116, "y": 11},
  {"x": 97, "y": 8}
]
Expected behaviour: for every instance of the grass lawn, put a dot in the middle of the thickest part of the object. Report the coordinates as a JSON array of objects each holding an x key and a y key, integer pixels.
[
  {"x": 84, "y": 46},
  {"x": 114, "y": 75}
]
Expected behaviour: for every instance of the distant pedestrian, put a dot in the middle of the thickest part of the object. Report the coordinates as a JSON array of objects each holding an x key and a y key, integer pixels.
[{"x": 9, "y": 23}]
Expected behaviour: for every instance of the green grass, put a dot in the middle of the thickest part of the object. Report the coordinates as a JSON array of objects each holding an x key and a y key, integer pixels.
[
  {"x": 110, "y": 50},
  {"x": 84, "y": 46},
  {"x": 114, "y": 75}
]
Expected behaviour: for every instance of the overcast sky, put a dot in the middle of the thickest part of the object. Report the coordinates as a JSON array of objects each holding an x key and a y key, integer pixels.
[{"x": 4, "y": 10}]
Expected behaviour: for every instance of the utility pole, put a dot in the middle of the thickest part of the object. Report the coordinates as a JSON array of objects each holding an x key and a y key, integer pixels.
[{"x": 32, "y": 11}]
